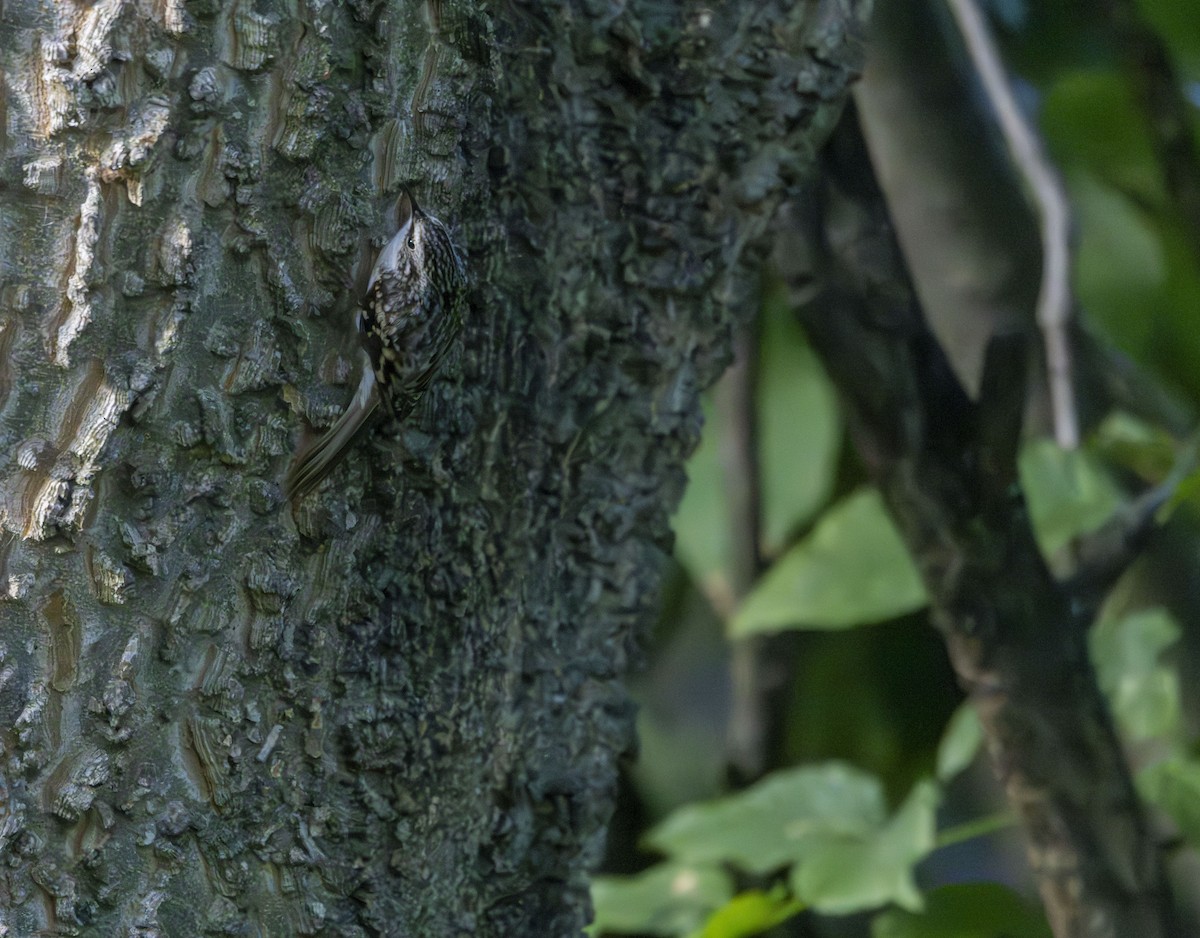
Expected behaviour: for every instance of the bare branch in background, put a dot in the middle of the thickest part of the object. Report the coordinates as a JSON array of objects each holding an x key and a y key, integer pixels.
[
  {"x": 963, "y": 219},
  {"x": 1054, "y": 298},
  {"x": 759, "y": 665},
  {"x": 738, "y": 457}
]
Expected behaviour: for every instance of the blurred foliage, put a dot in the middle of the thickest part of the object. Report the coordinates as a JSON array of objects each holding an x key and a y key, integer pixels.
[
  {"x": 1138, "y": 267},
  {"x": 667, "y": 899},
  {"x": 1175, "y": 22},
  {"x": 978, "y": 910},
  {"x": 799, "y": 437},
  {"x": 1143, "y": 692},
  {"x": 878, "y": 815},
  {"x": 751, "y": 913},
  {"x": 852, "y": 568},
  {"x": 1068, "y": 493},
  {"x": 960, "y": 743}
]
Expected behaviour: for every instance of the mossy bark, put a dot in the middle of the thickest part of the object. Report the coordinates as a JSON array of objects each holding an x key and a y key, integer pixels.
[{"x": 397, "y": 709}]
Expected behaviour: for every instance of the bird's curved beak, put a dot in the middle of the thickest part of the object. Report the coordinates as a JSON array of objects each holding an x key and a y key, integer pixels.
[{"x": 407, "y": 208}]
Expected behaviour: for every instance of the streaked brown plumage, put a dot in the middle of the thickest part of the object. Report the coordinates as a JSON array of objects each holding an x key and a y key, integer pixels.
[{"x": 409, "y": 319}]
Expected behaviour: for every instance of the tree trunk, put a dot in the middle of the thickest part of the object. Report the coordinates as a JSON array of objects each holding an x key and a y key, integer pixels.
[
  {"x": 946, "y": 465},
  {"x": 396, "y": 709}
]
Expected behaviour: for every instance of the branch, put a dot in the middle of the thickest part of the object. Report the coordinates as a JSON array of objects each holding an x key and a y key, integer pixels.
[
  {"x": 1054, "y": 215},
  {"x": 1104, "y": 555},
  {"x": 738, "y": 457},
  {"x": 960, "y": 209},
  {"x": 1014, "y": 639}
]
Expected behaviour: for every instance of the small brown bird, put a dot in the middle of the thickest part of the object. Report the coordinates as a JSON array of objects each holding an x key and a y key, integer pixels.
[{"x": 409, "y": 319}]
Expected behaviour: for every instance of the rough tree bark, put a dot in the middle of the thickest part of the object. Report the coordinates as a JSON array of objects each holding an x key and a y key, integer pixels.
[{"x": 397, "y": 710}]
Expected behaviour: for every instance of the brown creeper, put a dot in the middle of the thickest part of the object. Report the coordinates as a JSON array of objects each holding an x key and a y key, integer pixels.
[{"x": 407, "y": 322}]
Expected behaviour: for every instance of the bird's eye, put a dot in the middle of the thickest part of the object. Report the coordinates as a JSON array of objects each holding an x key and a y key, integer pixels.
[{"x": 412, "y": 245}]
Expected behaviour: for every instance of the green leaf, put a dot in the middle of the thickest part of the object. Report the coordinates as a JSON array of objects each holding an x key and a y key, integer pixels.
[
  {"x": 1092, "y": 119},
  {"x": 775, "y": 822},
  {"x": 679, "y": 760},
  {"x": 852, "y": 570},
  {"x": 968, "y": 910},
  {"x": 1121, "y": 265},
  {"x": 1187, "y": 493},
  {"x": 1174, "y": 786},
  {"x": 799, "y": 425},
  {"x": 1176, "y": 346},
  {"x": 1144, "y": 694},
  {"x": 1067, "y": 494},
  {"x": 701, "y": 523},
  {"x": 1137, "y": 276},
  {"x": 667, "y": 899},
  {"x": 1141, "y": 447},
  {"x": 1175, "y": 21},
  {"x": 847, "y": 875},
  {"x": 750, "y": 913},
  {"x": 960, "y": 743},
  {"x": 799, "y": 437}
]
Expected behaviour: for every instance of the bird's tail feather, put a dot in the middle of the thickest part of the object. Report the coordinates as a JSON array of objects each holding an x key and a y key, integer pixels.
[{"x": 319, "y": 460}]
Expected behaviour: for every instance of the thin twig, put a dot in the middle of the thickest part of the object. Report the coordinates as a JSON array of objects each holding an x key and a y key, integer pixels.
[
  {"x": 750, "y": 724},
  {"x": 1105, "y": 554},
  {"x": 1054, "y": 297},
  {"x": 738, "y": 457}
]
